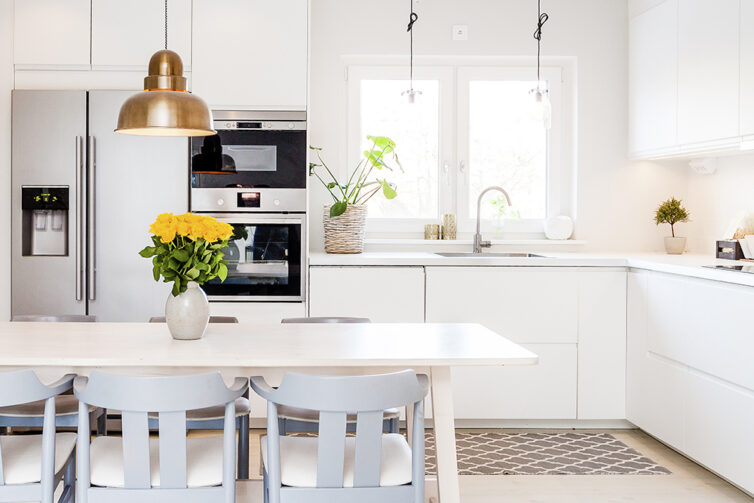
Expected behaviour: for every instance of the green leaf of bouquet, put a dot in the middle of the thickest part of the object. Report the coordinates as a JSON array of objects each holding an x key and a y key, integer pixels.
[
  {"x": 148, "y": 251},
  {"x": 181, "y": 254},
  {"x": 222, "y": 273}
]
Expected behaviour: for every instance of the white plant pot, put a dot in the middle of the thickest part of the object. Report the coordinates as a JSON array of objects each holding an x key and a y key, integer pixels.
[
  {"x": 187, "y": 314},
  {"x": 675, "y": 246}
]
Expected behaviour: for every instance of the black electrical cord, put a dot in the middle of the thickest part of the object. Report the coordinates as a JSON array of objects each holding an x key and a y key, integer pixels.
[
  {"x": 166, "y": 24},
  {"x": 542, "y": 18},
  {"x": 412, "y": 18}
]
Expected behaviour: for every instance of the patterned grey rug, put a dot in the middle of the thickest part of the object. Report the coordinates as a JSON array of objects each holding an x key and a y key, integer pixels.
[{"x": 544, "y": 454}]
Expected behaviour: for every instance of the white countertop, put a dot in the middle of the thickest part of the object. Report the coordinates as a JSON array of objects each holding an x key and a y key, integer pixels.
[{"x": 689, "y": 264}]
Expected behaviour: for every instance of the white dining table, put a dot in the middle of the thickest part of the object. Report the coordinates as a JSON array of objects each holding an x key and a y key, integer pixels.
[{"x": 53, "y": 349}]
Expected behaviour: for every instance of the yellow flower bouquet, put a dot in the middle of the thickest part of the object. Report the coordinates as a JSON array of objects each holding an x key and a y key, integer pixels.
[{"x": 187, "y": 248}]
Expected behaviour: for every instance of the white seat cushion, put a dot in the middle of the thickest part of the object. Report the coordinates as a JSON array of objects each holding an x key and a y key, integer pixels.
[
  {"x": 298, "y": 461},
  {"x": 312, "y": 416},
  {"x": 215, "y": 413},
  {"x": 22, "y": 456},
  {"x": 64, "y": 405},
  {"x": 204, "y": 461}
]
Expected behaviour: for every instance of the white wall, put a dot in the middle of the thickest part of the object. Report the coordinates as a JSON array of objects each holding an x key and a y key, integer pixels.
[
  {"x": 6, "y": 85},
  {"x": 615, "y": 198},
  {"x": 717, "y": 201}
]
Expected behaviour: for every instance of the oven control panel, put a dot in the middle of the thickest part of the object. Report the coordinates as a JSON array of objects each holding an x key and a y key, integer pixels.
[{"x": 248, "y": 200}]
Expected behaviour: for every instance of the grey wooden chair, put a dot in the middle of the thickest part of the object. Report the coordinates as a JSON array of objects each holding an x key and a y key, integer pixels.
[
  {"x": 294, "y": 420},
  {"x": 326, "y": 319},
  {"x": 212, "y": 319},
  {"x": 213, "y": 418},
  {"x": 31, "y": 415},
  {"x": 170, "y": 468},
  {"x": 370, "y": 467},
  {"x": 31, "y": 466}
]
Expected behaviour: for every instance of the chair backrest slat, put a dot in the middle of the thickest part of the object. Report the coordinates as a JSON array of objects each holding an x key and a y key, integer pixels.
[
  {"x": 136, "y": 473},
  {"x": 331, "y": 446},
  {"x": 366, "y": 471},
  {"x": 172, "y": 450},
  {"x": 22, "y": 386}
]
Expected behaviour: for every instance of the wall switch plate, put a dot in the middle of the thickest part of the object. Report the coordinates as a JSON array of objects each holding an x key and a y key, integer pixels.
[{"x": 460, "y": 32}]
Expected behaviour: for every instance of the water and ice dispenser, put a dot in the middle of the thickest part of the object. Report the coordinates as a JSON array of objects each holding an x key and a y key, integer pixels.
[{"x": 45, "y": 221}]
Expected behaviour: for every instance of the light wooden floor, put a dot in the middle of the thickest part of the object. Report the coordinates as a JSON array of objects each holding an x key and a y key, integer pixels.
[{"x": 688, "y": 483}]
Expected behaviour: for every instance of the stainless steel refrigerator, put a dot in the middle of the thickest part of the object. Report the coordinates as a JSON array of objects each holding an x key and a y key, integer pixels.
[{"x": 82, "y": 201}]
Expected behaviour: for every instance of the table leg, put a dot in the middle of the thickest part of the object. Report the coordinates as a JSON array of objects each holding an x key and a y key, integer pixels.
[{"x": 445, "y": 435}]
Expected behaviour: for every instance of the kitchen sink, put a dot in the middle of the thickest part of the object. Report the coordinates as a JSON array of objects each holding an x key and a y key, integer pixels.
[{"x": 489, "y": 255}]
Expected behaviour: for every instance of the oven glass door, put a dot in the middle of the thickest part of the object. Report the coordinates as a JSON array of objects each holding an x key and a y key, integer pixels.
[
  {"x": 273, "y": 159},
  {"x": 264, "y": 262}
]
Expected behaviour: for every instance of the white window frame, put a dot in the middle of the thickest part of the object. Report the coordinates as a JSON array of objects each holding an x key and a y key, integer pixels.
[
  {"x": 467, "y": 74},
  {"x": 446, "y": 77},
  {"x": 454, "y": 74}
]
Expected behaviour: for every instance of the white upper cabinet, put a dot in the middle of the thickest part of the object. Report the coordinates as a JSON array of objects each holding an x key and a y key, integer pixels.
[
  {"x": 653, "y": 79},
  {"x": 51, "y": 33},
  {"x": 747, "y": 67},
  {"x": 251, "y": 54},
  {"x": 708, "y": 70},
  {"x": 126, "y": 34}
]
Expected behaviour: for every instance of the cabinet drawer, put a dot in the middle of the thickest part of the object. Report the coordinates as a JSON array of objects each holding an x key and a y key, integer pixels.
[
  {"x": 525, "y": 304},
  {"x": 544, "y": 391}
]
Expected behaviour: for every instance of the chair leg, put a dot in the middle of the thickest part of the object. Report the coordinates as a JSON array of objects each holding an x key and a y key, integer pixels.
[
  {"x": 282, "y": 427},
  {"x": 102, "y": 424},
  {"x": 394, "y": 426},
  {"x": 243, "y": 447},
  {"x": 69, "y": 480},
  {"x": 265, "y": 487}
]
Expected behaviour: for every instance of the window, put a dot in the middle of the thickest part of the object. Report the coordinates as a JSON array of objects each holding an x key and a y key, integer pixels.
[{"x": 472, "y": 127}]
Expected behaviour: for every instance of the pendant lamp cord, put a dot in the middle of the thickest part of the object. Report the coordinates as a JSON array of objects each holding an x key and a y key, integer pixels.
[
  {"x": 166, "y": 24},
  {"x": 413, "y": 17},
  {"x": 542, "y": 18}
]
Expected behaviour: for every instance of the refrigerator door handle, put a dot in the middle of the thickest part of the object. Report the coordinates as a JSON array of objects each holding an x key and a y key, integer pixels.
[
  {"x": 79, "y": 214},
  {"x": 91, "y": 220}
]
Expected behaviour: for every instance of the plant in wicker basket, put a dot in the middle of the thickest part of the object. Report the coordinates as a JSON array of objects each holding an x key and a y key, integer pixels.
[
  {"x": 345, "y": 218},
  {"x": 360, "y": 186}
]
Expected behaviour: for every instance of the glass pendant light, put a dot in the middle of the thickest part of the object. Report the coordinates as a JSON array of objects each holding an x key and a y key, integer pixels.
[
  {"x": 165, "y": 107},
  {"x": 542, "y": 106},
  {"x": 411, "y": 93}
]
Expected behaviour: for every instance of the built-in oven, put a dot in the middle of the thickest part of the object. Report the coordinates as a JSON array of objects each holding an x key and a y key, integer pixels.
[
  {"x": 266, "y": 259},
  {"x": 263, "y": 153}
]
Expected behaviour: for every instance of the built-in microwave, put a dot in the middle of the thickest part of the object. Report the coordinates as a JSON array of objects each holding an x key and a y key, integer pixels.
[
  {"x": 266, "y": 259},
  {"x": 257, "y": 162}
]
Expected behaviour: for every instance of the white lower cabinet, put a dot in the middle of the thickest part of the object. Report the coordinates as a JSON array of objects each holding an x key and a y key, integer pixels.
[
  {"x": 258, "y": 312},
  {"x": 560, "y": 314},
  {"x": 687, "y": 352},
  {"x": 382, "y": 294},
  {"x": 543, "y": 391}
]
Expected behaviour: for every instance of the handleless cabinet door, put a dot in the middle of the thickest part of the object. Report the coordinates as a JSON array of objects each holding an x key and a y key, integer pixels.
[
  {"x": 135, "y": 178},
  {"x": 52, "y": 33},
  {"x": 49, "y": 132},
  {"x": 708, "y": 70},
  {"x": 747, "y": 67},
  {"x": 653, "y": 80},
  {"x": 126, "y": 34},
  {"x": 250, "y": 54},
  {"x": 382, "y": 294}
]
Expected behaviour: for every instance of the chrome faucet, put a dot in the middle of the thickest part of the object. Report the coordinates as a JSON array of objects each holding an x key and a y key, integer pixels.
[{"x": 478, "y": 242}]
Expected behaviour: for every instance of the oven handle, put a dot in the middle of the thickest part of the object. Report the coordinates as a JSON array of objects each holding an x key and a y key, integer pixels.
[{"x": 248, "y": 219}]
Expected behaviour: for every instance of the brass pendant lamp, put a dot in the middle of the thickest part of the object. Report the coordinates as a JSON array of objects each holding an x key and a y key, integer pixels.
[{"x": 165, "y": 108}]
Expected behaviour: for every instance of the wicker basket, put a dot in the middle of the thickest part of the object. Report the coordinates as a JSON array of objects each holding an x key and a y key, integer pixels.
[{"x": 345, "y": 233}]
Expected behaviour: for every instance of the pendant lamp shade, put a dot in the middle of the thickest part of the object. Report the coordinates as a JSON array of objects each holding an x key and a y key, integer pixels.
[{"x": 165, "y": 107}]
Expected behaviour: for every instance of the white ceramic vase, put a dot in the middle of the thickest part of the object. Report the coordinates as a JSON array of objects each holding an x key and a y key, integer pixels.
[
  {"x": 675, "y": 246},
  {"x": 187, "y": 314}
]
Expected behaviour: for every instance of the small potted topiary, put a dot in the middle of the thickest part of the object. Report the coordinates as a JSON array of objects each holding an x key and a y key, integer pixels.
[{"x": 672, "y": 212}]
